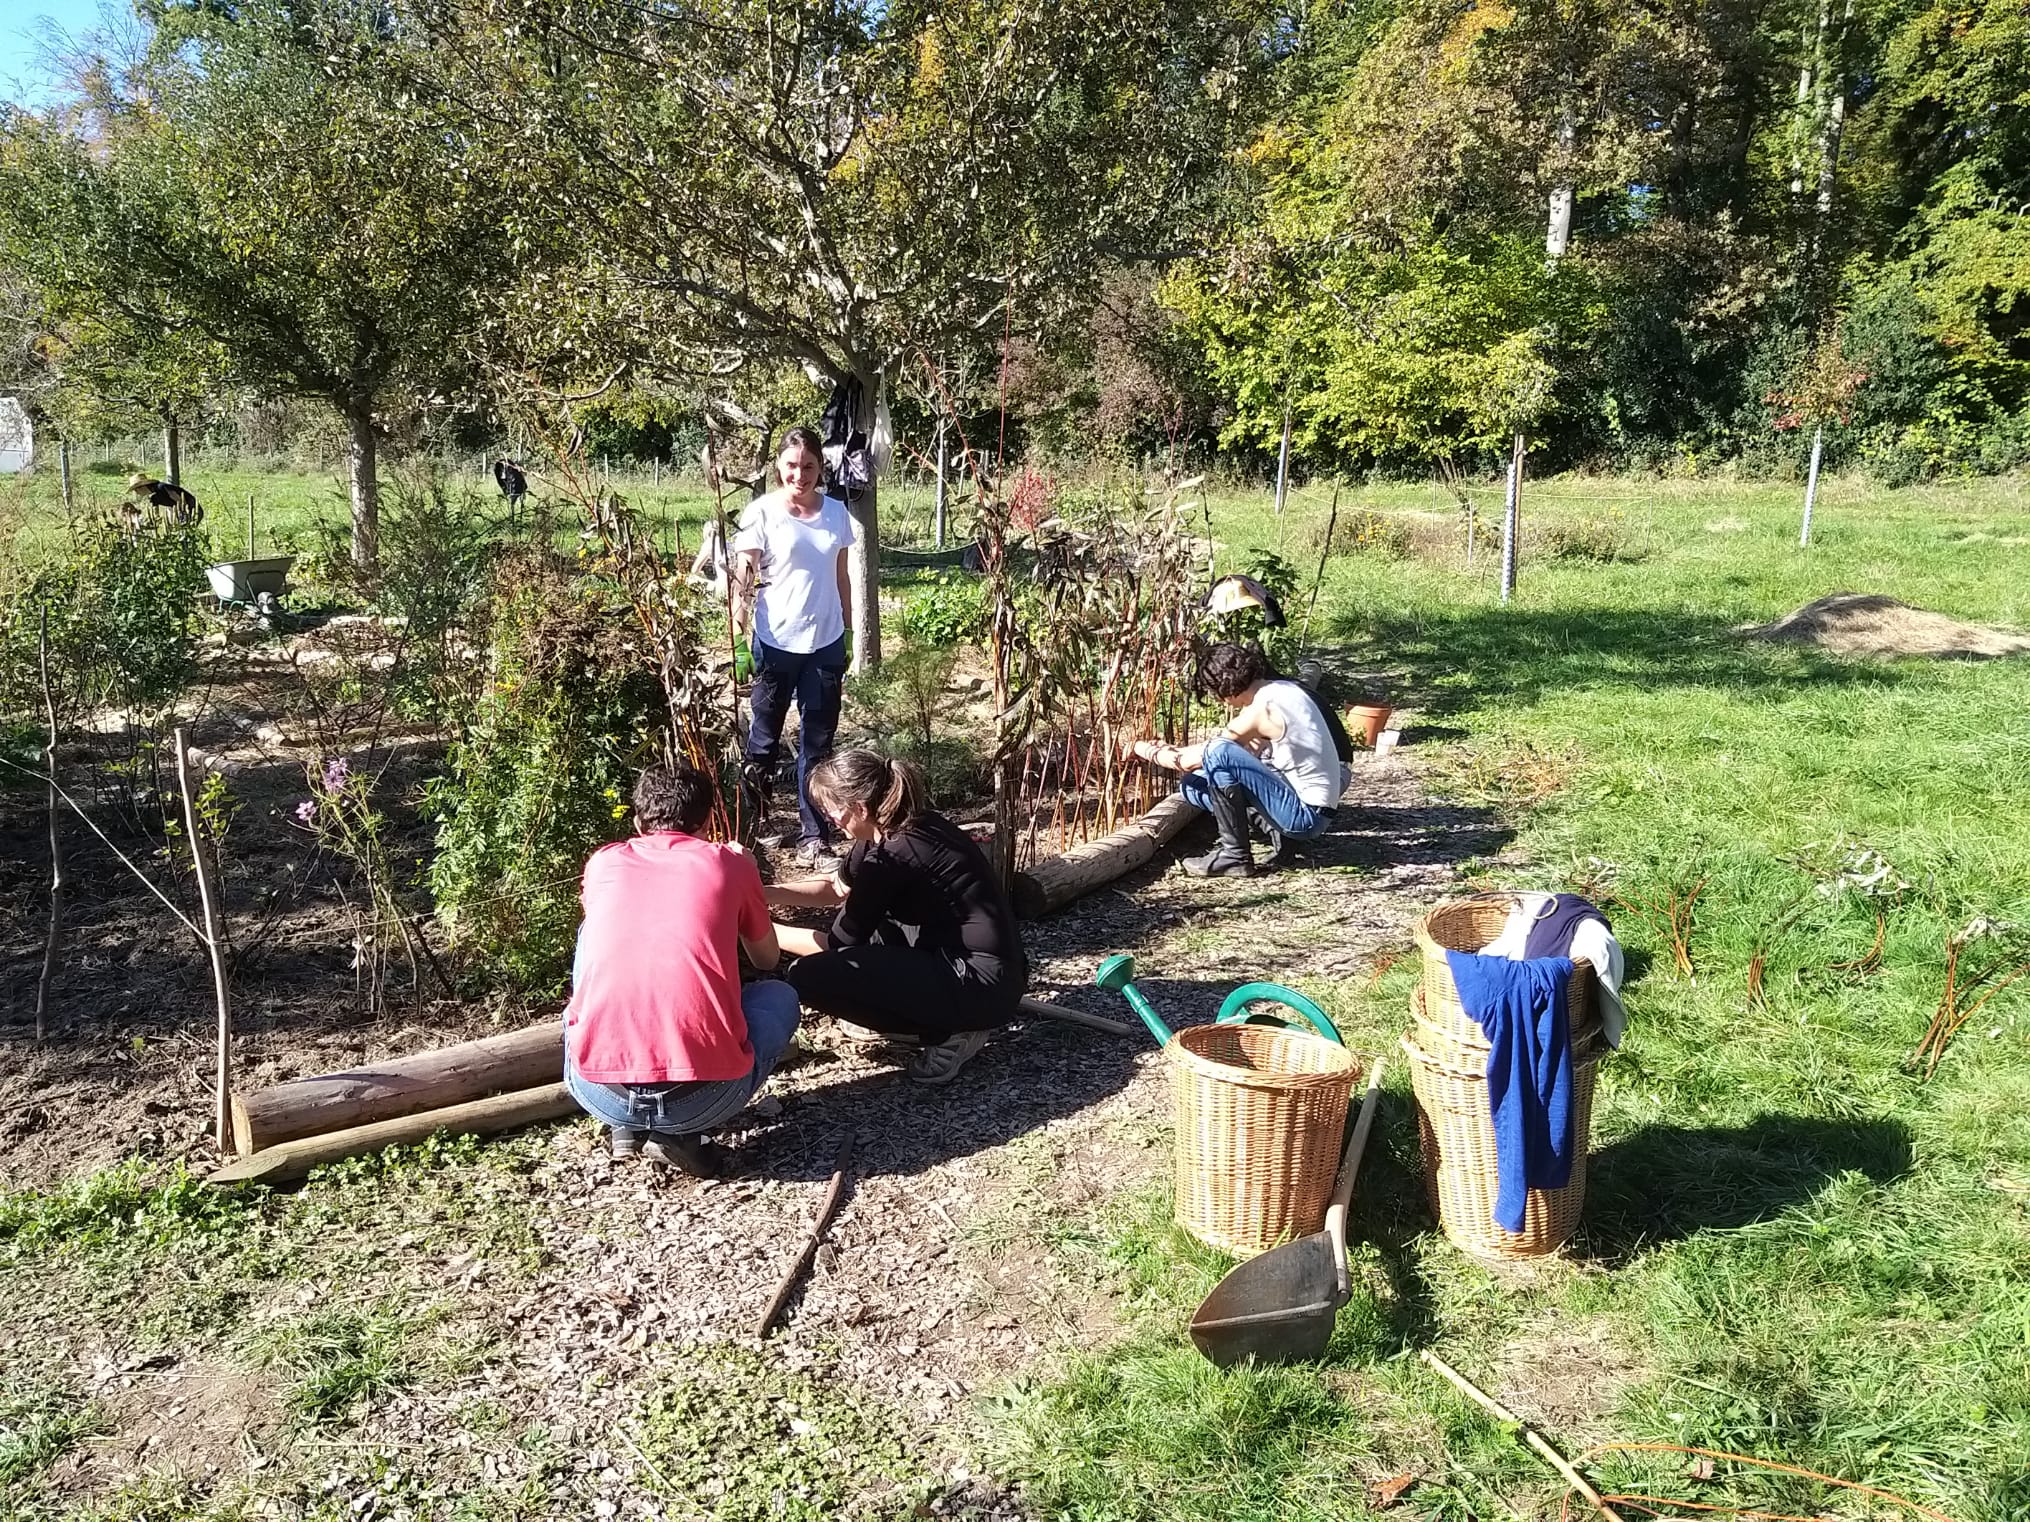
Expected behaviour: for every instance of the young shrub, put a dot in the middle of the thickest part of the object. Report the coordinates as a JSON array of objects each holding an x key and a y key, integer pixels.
[
  {"x": 1364, "y": 531},
  {"x": 949, "y": 608},
  {"x": 1603, "y": 538},
  {"x": 570, "y": 712}
]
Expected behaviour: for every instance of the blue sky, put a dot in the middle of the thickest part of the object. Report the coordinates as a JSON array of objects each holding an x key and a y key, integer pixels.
[{"x": 22, "y": 23}]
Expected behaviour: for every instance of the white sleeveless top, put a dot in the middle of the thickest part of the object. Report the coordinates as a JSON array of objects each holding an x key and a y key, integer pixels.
[{"x": 1305, "y": 754}]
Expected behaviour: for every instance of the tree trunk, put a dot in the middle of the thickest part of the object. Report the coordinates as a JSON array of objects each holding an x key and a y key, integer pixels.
[
  {"x": 863, "y": 561},
  {"x": 1811, "y": 485},
  {"x": 172, "y": 450},
  {"x": 364, "y": 480}
]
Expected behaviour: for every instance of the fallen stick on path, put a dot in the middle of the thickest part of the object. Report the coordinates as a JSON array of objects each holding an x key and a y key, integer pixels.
[
  {"x": 481, "y": 1117},
  {"x": 1038, "y": 1009},
  {"x": 827, "y": 1208},
  {"x": 1529, "y": 1434}
]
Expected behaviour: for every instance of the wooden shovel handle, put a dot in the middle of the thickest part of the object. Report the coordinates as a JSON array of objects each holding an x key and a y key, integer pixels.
[{"x": 1349, "y": 1170}]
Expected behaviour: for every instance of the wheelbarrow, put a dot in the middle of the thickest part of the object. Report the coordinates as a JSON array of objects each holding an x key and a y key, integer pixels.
[{"x": 1280, "y": 1307}]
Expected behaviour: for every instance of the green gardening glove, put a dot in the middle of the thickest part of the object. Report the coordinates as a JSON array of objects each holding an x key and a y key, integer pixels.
[
  {"x": 849, "y": 647},
  {"x": 743, "y": 661}
]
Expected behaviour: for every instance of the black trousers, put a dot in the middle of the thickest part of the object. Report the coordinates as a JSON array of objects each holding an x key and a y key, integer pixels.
[{"x": 902, "y": 991}]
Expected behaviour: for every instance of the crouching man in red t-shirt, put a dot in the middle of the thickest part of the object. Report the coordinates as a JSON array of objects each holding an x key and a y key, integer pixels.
[{"x": 660, "y": 1040}]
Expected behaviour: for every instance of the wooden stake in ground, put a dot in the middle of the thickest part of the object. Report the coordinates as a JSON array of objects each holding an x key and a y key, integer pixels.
[
  {"x": 208, "y": 897},
  {"x": 56, "y": 878},
  {"x": 829, "y": 1207},
  {"x": 1529, "y": 1434}
]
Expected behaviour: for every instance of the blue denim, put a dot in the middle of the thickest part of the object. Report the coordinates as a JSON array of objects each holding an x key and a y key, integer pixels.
[
  {"x": 771, "y": 1009},
  {"x": 1230, "y": 764},
  {"x": 818, "y": 683}
]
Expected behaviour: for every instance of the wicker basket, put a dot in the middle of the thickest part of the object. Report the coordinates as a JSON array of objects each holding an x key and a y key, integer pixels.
[
  {"x": 1461, "y": 1177},
  {"x": 1261, "y": 1113},
  {"x": 1467, "y": 924}
]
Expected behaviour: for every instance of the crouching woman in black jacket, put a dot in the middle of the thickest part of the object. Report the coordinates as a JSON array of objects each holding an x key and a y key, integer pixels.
[{"x": 924, "y": 947}]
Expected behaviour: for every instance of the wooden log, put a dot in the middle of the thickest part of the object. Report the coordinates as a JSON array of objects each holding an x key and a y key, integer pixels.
[
  {"x": 398, "y": 1086},
  {"x": 479, "y": 1117},
  {"x": 1052, "y": 884}
]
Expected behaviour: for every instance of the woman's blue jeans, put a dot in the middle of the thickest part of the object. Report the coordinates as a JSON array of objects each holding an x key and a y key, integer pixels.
[
  {"x": 817, "y": 683},
  {"x": 1228, "y": 764},
  {"x": 771, "y": 1009}
]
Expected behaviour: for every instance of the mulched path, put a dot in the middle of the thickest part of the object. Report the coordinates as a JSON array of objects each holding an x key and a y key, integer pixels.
[{"x": 936, "y": 1283}]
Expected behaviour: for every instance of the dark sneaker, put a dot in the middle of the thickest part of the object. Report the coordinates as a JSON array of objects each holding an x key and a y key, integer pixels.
[
  {"x": 1219, "y": 863},
  {"x": 686, "y": 1154}
]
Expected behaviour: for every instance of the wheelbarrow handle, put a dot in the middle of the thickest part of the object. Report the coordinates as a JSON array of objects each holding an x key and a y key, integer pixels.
[{"x": 1349, "y": 1169}]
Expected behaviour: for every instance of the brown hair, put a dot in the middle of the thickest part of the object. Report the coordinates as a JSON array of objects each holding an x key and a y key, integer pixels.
[
  {"x": 892, "y": 791},
  {"x": 673, "y": 798},
  {"x": 806, "y": 437}
]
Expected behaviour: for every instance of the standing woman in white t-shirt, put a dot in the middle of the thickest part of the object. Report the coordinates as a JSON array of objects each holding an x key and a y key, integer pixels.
[{"x": 790, "y": 574}]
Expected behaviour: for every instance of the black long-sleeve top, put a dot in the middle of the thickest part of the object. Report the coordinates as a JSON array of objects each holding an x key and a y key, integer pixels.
[{"x": 931, "y": 874}]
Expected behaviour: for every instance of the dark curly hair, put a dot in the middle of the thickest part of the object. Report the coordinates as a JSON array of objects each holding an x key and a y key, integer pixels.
[
  {"x": 672, "y": 798},
  {"x": 1227, "y": 670}
]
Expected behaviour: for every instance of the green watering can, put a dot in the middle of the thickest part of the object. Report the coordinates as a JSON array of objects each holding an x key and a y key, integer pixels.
[{"x": 1117, "y": 976}]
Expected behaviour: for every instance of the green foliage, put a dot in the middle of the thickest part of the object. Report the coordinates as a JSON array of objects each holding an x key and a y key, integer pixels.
[
  {"x": 570, "y": 714},
  {"x": 737, "y": 1435},
  {"x": 123, "y": 623},
  {"x": 947, "y": 608},
  {"x": 124, "y": 1205},
  {"x": 38, "y": 1425},
  {"x": 342, "y": 1358}
]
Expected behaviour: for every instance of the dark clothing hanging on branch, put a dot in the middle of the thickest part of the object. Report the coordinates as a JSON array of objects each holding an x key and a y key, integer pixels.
[{"x": 849, "y": 459}]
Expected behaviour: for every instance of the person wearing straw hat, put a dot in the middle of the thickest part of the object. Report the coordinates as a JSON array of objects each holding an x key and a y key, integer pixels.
[{"x": 176, "y": 503}]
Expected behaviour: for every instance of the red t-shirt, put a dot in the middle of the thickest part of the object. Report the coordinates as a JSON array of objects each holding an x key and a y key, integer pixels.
[{"x": 656, "y": 993}]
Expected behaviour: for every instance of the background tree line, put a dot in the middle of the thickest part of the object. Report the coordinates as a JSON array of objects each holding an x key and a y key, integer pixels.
[{"x": 1398, "y": 233}]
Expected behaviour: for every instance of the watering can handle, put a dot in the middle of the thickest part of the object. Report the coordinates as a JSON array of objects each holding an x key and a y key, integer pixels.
[
  {"x": 1349, "y": 1169},
  {"x": 1235, "y": 1009}
]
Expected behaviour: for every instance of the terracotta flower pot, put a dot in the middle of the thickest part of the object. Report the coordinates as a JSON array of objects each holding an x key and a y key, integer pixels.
[{"x": 1368, "y": 720}]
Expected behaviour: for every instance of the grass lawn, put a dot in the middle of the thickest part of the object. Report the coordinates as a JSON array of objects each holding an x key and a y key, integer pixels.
[{"x": 1792, "y": 1248}]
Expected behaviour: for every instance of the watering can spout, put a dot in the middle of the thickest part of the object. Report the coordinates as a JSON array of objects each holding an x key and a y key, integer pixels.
[{"x": 1117, "y": 976}]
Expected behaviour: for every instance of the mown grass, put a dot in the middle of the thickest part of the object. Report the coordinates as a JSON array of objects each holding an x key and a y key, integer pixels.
[{"x": 1804, "y": 1253}]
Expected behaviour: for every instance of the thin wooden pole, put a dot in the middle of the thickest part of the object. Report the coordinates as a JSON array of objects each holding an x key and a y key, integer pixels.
[
  {"x": 56, "y": 876},
  {"x": 938, "y": 506},
  {"x": 1511, "y": 519},
  {"x": 1283, "y": 456},
  {"x": 63, "y": 470},
  {"x": 213, "y": 939},
  {"x": 250, "y": 525},
  {"x": 1529, "y": 1434}
]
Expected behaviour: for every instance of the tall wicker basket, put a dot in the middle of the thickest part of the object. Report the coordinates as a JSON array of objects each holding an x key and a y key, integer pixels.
[
  {"x": 1261, "y": 1112},
  {"x": 1448, "y": 1072}
]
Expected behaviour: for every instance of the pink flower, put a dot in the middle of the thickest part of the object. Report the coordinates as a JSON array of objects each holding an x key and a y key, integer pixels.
[{"x": 306, "y": 812}]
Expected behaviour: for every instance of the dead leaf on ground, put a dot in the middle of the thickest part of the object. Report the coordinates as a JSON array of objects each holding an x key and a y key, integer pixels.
[{"x": 1383, "y": 1494}]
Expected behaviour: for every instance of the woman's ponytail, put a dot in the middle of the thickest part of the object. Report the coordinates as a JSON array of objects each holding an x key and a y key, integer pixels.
[{"x": 892, "y": 792}]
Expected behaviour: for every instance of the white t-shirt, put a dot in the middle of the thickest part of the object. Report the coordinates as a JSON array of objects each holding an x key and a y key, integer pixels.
[
  {"x": 1305, "y": 754},
  {"x": 796, "y": 607}
]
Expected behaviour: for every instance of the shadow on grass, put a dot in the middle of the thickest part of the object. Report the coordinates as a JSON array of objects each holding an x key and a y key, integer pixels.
[
  {"x": 1667, "y": 1182},
  {"x": 1449, "y": 661}
]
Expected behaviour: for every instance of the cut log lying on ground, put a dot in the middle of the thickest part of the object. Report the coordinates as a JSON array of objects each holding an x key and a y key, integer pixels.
[
  {"x": 478, "y": 1117},
  {"x": 398, "y": 1086},
  {"x": 1056, "y": 882}
]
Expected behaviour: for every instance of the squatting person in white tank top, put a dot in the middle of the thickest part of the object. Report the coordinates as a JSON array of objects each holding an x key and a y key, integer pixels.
[{"x": 1274, "y": 759}]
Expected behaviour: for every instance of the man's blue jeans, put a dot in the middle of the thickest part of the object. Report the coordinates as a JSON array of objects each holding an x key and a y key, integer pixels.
[
  {"x": 1228, "y": 764},
  {"x": 771, "y": 1009}
]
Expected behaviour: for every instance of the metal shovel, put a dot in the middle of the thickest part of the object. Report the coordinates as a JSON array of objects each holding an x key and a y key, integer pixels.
[{"x": 1279, "y": 1308}]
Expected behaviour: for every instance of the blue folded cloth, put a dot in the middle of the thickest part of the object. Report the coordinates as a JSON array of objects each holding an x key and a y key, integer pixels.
[{"x": 1520, "y": 1008}]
